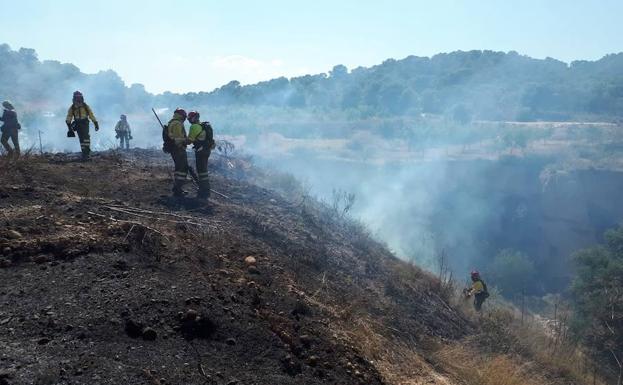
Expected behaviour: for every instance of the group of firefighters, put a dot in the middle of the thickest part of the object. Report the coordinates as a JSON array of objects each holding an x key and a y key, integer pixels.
[{"x": 175, "y": 139}]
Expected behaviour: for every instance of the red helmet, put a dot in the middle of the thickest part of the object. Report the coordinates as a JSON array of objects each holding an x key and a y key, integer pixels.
[
  {"x": 475, "y": 274},
  {"x": 78, "y": 97},
  {"x": 193, "y": 116},
  {"x": 180, "y": 111}
]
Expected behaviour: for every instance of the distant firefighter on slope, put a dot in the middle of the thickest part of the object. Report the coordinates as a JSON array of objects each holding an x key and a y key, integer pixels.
[{"x": 478, "y": 290}]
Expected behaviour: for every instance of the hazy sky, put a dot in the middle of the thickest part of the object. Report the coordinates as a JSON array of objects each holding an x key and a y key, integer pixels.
[{"x": 193, "y": 45}]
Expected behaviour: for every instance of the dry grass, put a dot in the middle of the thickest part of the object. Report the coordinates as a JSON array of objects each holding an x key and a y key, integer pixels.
[
  {"x": 502, "y": 334},
  {"x": 468, "y": 366},
  {"x": 395, "y": 357}
]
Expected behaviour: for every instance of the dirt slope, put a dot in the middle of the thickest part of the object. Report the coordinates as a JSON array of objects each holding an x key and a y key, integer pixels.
[{"x": 105, "y": 280}]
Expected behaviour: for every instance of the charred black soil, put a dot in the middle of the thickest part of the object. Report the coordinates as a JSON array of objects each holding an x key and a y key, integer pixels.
[{"x": 106, "y": 280}]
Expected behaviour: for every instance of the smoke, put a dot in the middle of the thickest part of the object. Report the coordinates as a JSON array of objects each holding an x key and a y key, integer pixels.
[{"x": 426, "y": 174}]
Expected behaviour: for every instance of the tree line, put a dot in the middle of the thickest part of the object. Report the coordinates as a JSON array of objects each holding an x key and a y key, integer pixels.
[{"x": 464, "y": 86}]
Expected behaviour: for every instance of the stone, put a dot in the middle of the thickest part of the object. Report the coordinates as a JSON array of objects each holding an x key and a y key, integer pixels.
[
  {"x": 313, "y": 361},
  {"x": 230, "y": 341},
  {"x": 253, "y": 270},
  {"x": 191, "y": 315},
  {"x": 250, "y": 260},
  {"x": 149, "y": 334}
]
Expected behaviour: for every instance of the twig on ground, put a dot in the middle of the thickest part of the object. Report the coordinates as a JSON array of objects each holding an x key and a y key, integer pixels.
[
  {"x": 126, "y": 221},
  {"x": 136, "y": 209},
  {"x": 127, "y": 212},
  {"x": 218, "y": 193},
  {"x": 128, "y": 234}
]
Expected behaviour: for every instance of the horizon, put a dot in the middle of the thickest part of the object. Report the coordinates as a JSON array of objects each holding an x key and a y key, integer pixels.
[{"x": 213, "y": 43}]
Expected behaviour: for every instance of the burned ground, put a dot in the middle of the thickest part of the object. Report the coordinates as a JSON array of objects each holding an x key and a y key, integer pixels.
[{"x": 106, "y": 280}]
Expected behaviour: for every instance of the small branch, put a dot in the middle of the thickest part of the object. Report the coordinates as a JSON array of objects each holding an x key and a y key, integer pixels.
[
  {"x": 128, "y": 234},
  {"x": 218, "y": 193},
  {"x": 126, "y": 221},
  {"x": 616, "y": 358},
  {"x": 153, "y": 218}
]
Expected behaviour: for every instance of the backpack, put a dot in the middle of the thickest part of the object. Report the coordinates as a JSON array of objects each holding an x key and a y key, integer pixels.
[
  {"x": 208, "y": 143},
  {"x": 167, "y": 142},
  {"x": 485, "y": 293}
]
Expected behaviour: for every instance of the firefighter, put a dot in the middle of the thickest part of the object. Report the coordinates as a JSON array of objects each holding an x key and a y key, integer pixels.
[
  {"x": 123, "y": 132},
  {"x": 10, "y": 129},
  {"x": 478, "y": 290},
  {"x": 77, "y": 120},
  {"x": 201, "y": 136},
  {"x": 175, "y": 143}
]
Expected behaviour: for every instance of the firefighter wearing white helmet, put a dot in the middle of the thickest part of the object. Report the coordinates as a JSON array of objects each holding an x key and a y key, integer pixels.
[{"x": 123, "y": 132}]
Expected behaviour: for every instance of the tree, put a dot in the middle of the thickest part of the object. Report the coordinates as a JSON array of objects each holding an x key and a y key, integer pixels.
[
  {"x": 598, "y": 299},
  {"x": 339, "y": 72}
]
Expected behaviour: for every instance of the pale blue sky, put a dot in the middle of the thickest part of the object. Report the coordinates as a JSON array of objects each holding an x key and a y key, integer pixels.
[{"x": 192, "y": 45}]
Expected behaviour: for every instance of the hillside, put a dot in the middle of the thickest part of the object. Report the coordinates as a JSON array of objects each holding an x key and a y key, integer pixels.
[{"x": 105, "y": 280}]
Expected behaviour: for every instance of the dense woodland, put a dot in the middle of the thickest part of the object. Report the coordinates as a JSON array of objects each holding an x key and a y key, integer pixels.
[{"x": 465, "y": 86}]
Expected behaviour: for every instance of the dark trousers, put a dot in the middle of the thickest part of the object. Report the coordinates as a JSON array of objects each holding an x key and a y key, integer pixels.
[
  {"x": 479, "y": 299},
  {"x": 12, "y": 134},
  {"x": 124, "y": 137},
  {"x": 201, "y": 160},
  {"x": 181, "y": 169},
  {"x": 82, "y": 128}
]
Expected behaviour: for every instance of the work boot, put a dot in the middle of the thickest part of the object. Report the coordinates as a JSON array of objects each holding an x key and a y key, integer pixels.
[
  {"x": 178, "y": 192},
  {"x": 203, "y": 194}
]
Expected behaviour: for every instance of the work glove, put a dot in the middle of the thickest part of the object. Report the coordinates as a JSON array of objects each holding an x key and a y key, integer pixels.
[
  {"x": 130, "y": 137},
  {"x": 97, "y": 126}
]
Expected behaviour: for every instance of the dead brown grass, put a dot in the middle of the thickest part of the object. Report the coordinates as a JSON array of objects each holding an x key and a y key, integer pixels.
[
  {"x": 503, "y": 334},
  {"x": 397, "y": 358},
  {"x": 470, "y": 367}
]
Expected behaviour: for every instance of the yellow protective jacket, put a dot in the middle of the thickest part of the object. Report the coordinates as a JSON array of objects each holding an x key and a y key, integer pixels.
[
  {"x": 177, "y": 131},
  {"x": 80, "y": 112},
  {"x": 196, "y": 133},
  {"x": 202, "y": 138},
  {"x": 477, "y": 287}
]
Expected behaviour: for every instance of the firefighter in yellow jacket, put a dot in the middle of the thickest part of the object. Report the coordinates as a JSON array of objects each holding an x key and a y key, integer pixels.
[
  {"x": 77, "y": 120},
  {"x": 201, "y": 136},
  {"x": 478, "y": 290},
  {"x": 175, "y": 143}
]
